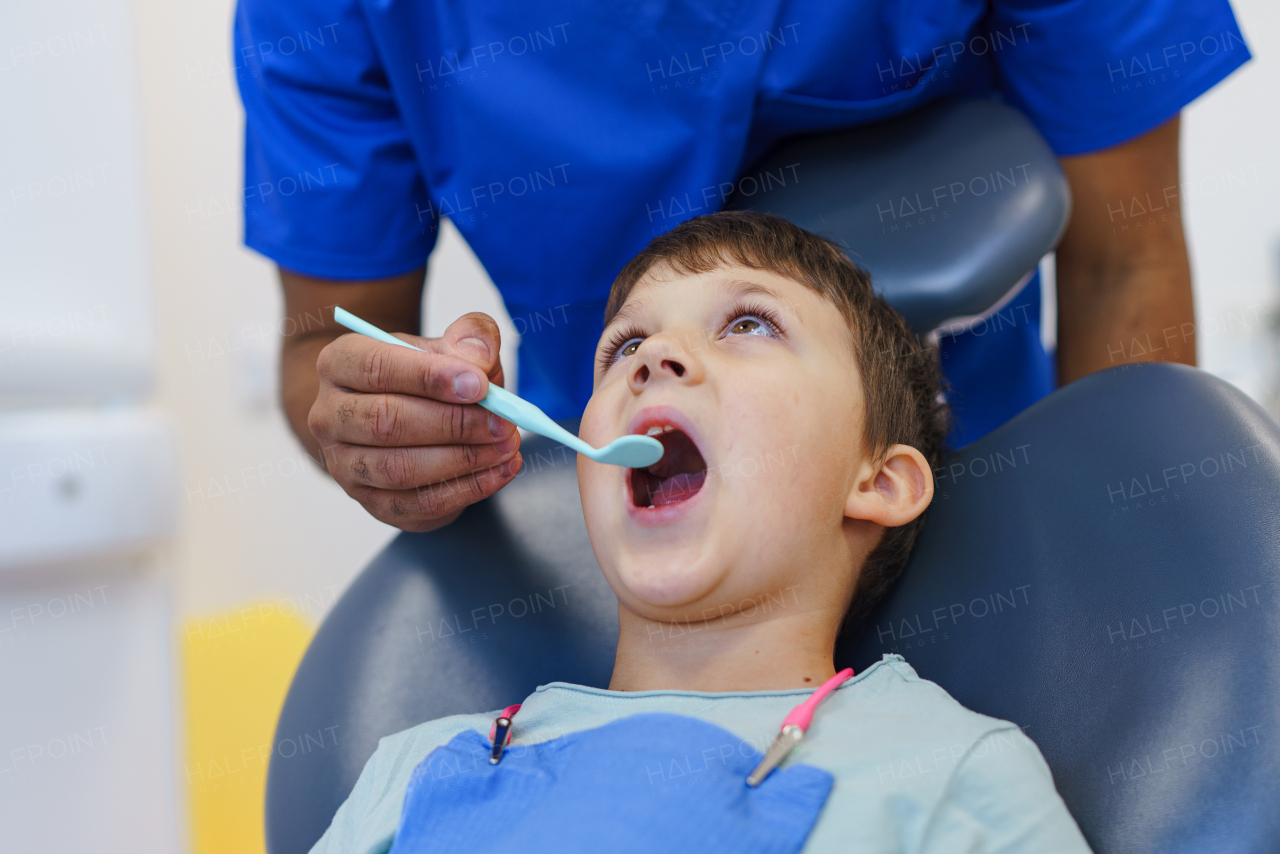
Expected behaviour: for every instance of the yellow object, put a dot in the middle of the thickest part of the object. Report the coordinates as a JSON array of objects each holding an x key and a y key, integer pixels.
[{"x": 236, "y": 670}]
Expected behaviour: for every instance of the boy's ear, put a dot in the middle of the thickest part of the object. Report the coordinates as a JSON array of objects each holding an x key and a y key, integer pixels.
[{"x": 893, "y": 493}]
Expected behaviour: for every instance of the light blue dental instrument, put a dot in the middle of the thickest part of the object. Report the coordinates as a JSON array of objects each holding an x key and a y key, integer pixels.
[{"x": 628, "y": 451}]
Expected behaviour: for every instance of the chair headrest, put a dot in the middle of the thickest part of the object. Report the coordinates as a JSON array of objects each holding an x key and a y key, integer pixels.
[{"x": 948, "y": 207}]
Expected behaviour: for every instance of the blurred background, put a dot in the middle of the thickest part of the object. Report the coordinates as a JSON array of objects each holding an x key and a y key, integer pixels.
[{"x": 166, "y": 547}]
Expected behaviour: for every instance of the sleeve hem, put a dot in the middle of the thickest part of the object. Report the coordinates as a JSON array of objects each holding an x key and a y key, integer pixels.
[
  {"x": 329, "y": 266},
  {"x": 1066, "y": 144}
]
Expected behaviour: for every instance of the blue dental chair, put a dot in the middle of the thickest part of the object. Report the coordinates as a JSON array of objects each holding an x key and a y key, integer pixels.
[{"x": 1103, "y": 570}]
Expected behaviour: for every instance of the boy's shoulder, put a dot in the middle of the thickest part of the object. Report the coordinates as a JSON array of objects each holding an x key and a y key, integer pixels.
[
  {"x": 889, "y": 714},
  {"x": 436, "y": 731},
  {"x": 366, "y": 822},
  {"x": 399, "y": 753},
  {"x": 916, "y": 770},
  {"x": 892, "y": 687}
]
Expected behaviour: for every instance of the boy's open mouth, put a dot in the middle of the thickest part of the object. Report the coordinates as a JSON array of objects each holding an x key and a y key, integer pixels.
[{"x": 676, "y": 477}]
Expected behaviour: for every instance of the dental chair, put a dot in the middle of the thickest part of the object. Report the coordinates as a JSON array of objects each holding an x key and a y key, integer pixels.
[{"x": 1103, "y": 570}]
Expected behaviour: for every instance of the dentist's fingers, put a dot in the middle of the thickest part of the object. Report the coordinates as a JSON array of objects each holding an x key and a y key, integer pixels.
[
  {"x": 401, "y": 420},
  {"x": 415, "y": 467},
  {"x": 392, "y": 421},
  {"x": 434, "y": 505},
  {"x": 357, "y": 363}
]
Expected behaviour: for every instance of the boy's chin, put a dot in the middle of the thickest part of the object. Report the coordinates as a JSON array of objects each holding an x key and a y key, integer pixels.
[{"x": 661, "y": 587}]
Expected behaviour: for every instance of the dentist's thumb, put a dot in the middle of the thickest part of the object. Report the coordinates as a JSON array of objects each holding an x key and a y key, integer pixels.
[{"x": 476, "y": 338}]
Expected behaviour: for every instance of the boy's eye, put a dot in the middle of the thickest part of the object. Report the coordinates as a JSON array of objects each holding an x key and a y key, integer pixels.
[
  {"x": 742, "y": 319},
  {"x": 623, "y": 343},
  {"x": 629, "y": 348},
  {"x": 749, "y": 324}
]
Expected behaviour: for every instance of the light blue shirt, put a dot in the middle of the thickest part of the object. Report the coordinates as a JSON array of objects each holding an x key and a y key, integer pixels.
[{"x": 914, "y": 770}]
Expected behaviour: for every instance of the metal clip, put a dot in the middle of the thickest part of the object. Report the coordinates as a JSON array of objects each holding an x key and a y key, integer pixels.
[
  {"x": 501, "y": 738},
  {"x": 790, "y": 736},
  {"x": 500, "y": 732}
]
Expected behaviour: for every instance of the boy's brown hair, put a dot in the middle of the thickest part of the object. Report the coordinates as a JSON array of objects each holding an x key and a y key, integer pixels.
[{"x": 901, "y": 376}]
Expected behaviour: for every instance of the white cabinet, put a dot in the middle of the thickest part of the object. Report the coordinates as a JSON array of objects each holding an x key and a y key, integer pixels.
[
  {"x": 76, "y": 484},
  {"x": 88, "y": 483}
]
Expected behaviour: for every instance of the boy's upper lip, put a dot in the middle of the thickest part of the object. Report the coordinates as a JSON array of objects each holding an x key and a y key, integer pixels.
[{"x": 662, "y": 415}]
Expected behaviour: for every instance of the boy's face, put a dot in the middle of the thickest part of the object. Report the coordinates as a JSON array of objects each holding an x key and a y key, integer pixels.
[{"x": 757, "y": 375}]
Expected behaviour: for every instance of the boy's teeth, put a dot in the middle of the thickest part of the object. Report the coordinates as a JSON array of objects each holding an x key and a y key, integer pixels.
[{"x": 656, "y": 430}]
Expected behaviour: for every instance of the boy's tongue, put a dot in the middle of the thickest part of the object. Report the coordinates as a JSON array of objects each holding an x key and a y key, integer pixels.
[
  {"x": 678, "y": 488},
  {"x": 676, "y": 477}
]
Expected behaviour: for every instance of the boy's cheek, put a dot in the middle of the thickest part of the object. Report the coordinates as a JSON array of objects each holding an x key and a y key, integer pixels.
[
  {"x": 594, "y": 488},
  {"x": 587, "y": 427}
]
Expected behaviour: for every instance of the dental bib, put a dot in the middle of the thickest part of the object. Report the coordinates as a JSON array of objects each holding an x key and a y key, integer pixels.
[{"x": 641, "y": 784}]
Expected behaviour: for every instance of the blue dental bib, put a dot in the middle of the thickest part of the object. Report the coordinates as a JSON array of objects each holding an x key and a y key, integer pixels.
[{"x": 640, "y": 784}]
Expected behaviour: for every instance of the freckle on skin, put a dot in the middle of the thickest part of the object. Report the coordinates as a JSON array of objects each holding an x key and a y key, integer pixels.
[{"x": 807, "y": 679}]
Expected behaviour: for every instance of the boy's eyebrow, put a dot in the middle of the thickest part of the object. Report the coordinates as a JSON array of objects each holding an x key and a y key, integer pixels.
[
  {"x": 744, "y": 288},
  {"x": 624, "y": 314}
]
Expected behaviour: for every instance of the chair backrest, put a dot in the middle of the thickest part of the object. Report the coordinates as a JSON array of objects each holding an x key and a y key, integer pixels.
[
  {"x": 1103, "y": 570},
  {"x": 948, "y": 207}
]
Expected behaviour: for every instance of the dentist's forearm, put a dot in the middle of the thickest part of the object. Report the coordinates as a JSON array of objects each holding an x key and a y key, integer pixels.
[
  {"x": 1110, "y": 316},
  {"x": 1123, "y": 277}
]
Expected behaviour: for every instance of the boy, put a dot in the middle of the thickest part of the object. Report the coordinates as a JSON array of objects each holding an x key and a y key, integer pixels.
[{"x": 736, "y": 336}]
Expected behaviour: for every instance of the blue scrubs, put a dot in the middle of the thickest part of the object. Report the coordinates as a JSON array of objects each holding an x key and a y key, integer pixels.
[{"x": 561, "y": 137}]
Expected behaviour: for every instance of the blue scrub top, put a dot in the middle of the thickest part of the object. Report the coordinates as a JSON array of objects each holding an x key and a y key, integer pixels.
[{"x": 560, "y": 137}]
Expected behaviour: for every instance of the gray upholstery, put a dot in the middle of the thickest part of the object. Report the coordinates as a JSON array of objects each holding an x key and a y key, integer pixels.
[
  {"x": 1104, "y": 570},
  {"x": 1044, "y": 520},
  {"x": 948, "y": 207}
]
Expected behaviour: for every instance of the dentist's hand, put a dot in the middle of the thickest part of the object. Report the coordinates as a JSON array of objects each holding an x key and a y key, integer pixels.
[
  {"x": 397, "y": 429},
  {"x": 400, "y": 431}
]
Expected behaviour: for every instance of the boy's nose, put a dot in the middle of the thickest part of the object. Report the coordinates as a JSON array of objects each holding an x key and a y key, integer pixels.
[{"x": 662, "y": 358}]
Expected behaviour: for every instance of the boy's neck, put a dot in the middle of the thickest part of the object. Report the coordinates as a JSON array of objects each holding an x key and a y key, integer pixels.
[{"x": 780, "y": 646}]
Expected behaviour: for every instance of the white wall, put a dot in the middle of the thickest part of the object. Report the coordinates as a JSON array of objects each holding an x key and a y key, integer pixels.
[{"x": 1231, "y": 176}]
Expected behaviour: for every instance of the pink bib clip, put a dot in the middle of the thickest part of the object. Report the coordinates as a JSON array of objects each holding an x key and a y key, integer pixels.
[{"x": 794, "y": 727}]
